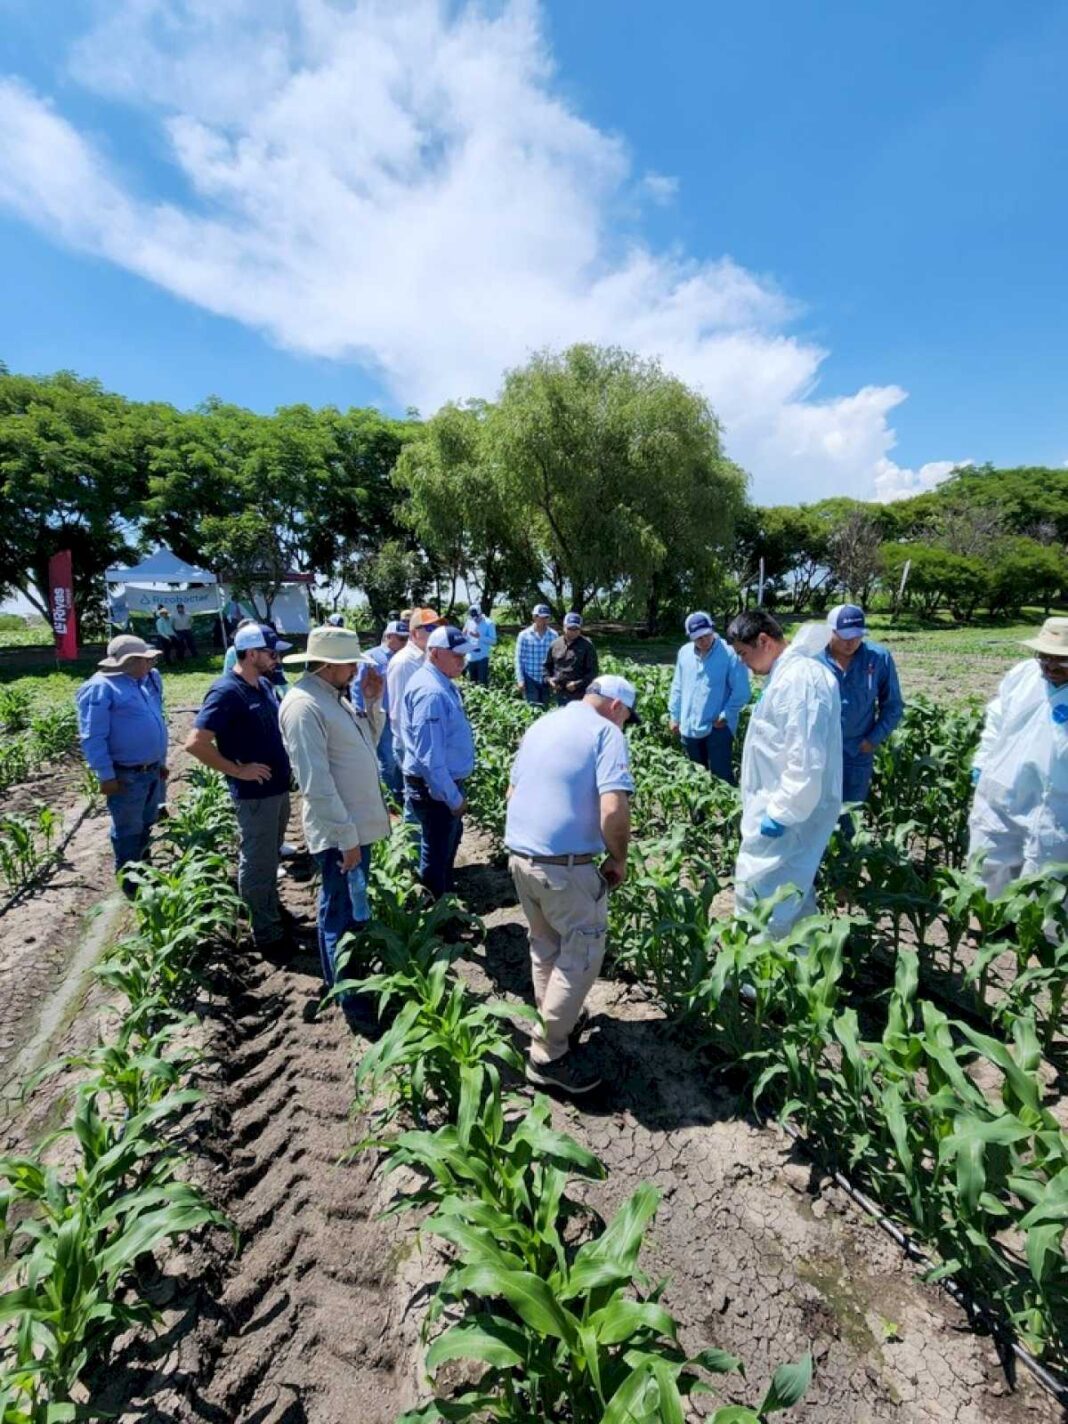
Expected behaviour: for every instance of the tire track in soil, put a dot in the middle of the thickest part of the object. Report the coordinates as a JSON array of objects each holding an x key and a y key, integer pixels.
[{"x": 762, "y": 1258}]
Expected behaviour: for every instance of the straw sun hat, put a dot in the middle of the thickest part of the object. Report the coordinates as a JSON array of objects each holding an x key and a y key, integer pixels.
[
  {"x": 329, "y": 645},
  {"x": 1052, "y": 638}
]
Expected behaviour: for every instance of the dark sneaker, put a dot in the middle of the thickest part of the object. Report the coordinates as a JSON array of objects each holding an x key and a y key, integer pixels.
[
  {"x": 278, "y": 951},
  {"x": 567, "y": 1074}
]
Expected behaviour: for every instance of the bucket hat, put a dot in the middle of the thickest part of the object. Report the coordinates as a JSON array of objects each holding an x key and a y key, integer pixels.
[
  {"x": 329, "y": 645},
  {"x": 1052, "y": 638},
  {"x": 125, "y": 647}
]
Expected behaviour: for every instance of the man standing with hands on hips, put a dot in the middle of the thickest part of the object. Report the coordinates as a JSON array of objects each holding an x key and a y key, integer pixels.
[
  {"x": 569, "y": 804},
  {"x": 439, "y": 755},
  {"x": 709, "y": 688}
]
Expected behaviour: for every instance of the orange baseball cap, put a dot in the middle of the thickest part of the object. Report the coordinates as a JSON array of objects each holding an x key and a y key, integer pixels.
[{"x": 423, "y": 618}]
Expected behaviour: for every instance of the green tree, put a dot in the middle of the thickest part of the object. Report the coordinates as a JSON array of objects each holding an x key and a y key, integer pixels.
[
  {"x": 72, "y": 474},
  {"x": 614, "y": 468}
]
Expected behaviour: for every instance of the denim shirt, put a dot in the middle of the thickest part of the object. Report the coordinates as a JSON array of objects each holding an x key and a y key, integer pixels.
[
  {"x": 872, "y": 704},
  {"x": 436, "y": 735},
  {"x": 121, "y": 721},
  {"x": 706, "y": 688}
]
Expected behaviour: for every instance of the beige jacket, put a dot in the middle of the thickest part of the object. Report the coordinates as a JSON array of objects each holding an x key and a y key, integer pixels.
[{"x": 332, "y": 748}]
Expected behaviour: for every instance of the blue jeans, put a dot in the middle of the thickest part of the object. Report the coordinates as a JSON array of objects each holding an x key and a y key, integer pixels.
[
  {"x": 134, "y": 811},
  {"x": 343, "y": 908},
  {"x": 856, "y": 778},
  {"x": 478, "y": 671},
  {"x": 388, "y": 769},
  {"x": 439, "y": 840},
  {"x": 536, "y": 693},
  {"x": 713, "y": 752}
]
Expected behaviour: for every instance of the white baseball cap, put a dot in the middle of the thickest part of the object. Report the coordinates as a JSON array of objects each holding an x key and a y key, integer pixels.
[
  {"x": 451, "y": 639},
  {"x": 617, "y": 689}
]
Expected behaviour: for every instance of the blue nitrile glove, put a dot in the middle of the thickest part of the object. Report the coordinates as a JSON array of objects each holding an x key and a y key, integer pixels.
[
  {"x": 976, "y": 774},
  {"x": 771, "y": 829}
]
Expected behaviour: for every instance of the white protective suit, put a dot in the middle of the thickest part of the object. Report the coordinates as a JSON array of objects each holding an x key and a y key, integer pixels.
[
  {"x": 791, "y": 772},
  {"x": 1020, "y": 812}
]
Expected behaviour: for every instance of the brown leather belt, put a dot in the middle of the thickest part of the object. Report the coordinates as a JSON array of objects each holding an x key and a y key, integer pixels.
[{"x": 585, "y": 858}]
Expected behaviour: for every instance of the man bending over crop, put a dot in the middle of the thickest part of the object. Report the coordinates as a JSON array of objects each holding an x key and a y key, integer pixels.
[
  {"x": 791, "y": 765},
  {"x": 569, "y": 802}
]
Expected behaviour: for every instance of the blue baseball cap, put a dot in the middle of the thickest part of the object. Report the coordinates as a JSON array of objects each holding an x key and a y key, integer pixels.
[
  {"x": 572, "y": 620},
  {"x": 698, "y": 624},
  {"x": 336, "y": 620},
  {"x": 542, "y": 610},
  {"x": 259, "y": 635},
  {"x": 451, "y": 639},
  {"x": 397, "y": 628},
  {"x": 475, "y": 611},
  {"x": 847, "y": 620}
]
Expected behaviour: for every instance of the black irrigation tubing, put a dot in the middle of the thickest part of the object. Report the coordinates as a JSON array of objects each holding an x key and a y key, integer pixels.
[
  {"x": 1050, "y": 1381},
  {"x": 54, "y": 857}
]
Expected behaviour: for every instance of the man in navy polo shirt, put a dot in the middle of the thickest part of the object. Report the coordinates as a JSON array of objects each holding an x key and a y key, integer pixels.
[{"x": 236, "y": 732}]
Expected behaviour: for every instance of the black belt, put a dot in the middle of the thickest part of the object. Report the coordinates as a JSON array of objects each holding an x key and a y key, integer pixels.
[
  {"x": 583, "y": 858},
  {"x": 141, "y": 766}
]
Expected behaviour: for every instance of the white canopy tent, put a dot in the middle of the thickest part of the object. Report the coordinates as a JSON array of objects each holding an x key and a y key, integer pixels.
[{"x": 163, "y": 579}]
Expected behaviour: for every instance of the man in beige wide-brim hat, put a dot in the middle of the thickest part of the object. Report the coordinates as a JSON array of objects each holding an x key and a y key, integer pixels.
[
  {"x": 123, "y": 733},
  {"x": 1019, "y": 819},
  {"x": 331, "y": 746}
]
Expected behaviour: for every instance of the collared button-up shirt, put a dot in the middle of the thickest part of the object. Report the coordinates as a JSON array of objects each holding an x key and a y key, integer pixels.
[
  {"x": 121, "y": 721},
  {"x": 164, "y": 627},
  {"x": 574, "y": 661},
  {"x": 484, "y": 632},
  {"x": 703, "y": 689},
  {"x": 872, "y": 704},
  {"x": 182, "y": 622},
  {"x": 403, "y": 666},
  {"x": 531, "y": 650},
  {"x": 437, "y": 738},
  {"x": 566, "y": 762},
  {"x": 332, "y": 748}
]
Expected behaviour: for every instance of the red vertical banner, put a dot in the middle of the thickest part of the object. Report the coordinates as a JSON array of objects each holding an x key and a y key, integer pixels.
[{"x": 64, "y": 619}]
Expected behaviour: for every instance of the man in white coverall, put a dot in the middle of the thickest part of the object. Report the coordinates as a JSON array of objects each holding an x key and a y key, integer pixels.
[
  {"x": 1020, "y": 814},
  {"x": 791, "y": 765}
]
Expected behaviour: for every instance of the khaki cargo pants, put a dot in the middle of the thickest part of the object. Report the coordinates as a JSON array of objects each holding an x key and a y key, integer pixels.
[{"x": 567, "y": 911}]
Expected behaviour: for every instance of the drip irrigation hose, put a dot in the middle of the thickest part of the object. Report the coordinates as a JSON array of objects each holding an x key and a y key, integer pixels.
[
  {"x": 1054, "y": 1384},
  {"x": 55, "y": 855}
]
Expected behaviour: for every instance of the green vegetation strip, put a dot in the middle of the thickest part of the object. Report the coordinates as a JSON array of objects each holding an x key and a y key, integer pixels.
[{"x": 84, "y": 1221}]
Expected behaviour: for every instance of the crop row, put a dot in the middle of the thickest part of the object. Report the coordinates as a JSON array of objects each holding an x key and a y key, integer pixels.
[
  {"x": 29, "y": 738},
  {"x": 543, "y": 1311},
  {"x": 945, "y": 1126},
  {"x": 85, "y": 1210}
]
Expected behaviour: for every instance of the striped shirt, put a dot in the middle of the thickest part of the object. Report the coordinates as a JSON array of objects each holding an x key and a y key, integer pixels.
[{"x": 531, "y": 650}]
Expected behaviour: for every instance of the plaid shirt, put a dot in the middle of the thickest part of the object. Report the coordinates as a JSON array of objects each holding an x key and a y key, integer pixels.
[{"x": 531, "y": 650}]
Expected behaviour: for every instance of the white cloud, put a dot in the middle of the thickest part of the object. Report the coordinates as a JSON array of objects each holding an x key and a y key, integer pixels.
[
  {"x": 660, "y": 187},
  {"x": 892, "y": 482},
  {"x": 401, "y": 184}
]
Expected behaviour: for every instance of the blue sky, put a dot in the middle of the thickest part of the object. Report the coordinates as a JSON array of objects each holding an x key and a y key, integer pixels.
[{"x": 843, "y": 221}]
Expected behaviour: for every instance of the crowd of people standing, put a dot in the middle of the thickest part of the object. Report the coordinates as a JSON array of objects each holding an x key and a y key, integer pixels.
[{"x": 363, "y": 733}]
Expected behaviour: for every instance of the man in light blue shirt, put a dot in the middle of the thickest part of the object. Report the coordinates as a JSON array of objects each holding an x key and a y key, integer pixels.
[
  {"x": 439, "y": 755},
  {"x": 872, "y": 704},
  {"x": 482, "y": 633},
  {"x": 531, "y": 649},
  {"x": 569, "y": 802},
  {"x": 709, "y": 688},
  {"x": 123, "y": 734}
]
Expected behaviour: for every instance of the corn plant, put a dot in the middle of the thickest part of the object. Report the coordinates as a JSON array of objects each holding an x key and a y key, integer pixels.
[
  {"x": 588, "y": 1341},
  {"x": 26, "y": 847}
]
